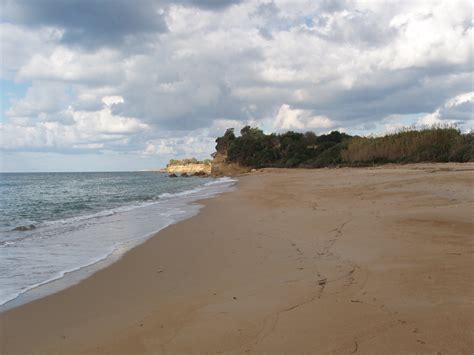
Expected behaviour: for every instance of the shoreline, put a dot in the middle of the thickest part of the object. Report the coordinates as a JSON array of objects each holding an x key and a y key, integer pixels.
[
  {"x": 187, "y": 200},
  {"x": 376, "y": 260}
]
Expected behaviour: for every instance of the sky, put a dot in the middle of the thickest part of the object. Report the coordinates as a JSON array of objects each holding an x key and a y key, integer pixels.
[{"x": 127, "y": 85}]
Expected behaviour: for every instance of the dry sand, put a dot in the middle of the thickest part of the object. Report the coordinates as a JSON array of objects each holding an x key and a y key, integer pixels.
[{"x": 295, "y": 261}]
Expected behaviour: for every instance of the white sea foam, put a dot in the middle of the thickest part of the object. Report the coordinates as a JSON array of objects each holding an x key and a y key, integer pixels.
[{"x": 56, "y": 250}]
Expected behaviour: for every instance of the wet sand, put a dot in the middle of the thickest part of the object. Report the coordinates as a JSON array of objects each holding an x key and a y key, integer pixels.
[{"x": 294, "y": 261}]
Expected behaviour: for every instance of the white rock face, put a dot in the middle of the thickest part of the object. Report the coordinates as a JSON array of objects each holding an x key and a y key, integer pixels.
[{"x": 188, "y": 169}]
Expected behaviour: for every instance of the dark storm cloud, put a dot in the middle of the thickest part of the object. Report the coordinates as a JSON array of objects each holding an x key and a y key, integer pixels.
[
  {"x": 209, "y": 4},
  {"x": 91, "y": 23},
  {"x": 459, "y": 113},
  {"x": 403, "y": 91},
  {"x": 88, "y": 22}
]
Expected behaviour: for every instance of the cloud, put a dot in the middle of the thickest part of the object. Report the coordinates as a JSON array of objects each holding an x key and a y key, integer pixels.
[
  {"x": 196, "y": 145},
  {"x": 92, "y": 24},
  {"x": 15, "y": 56},
  {"x": 87, "y": 22},
  {"x": 433, "y": 119},
  {"x": 455, "y": 111},
  {"x": 187, "y": 69},
  {"x": 294, "y": 119},
  {"x": 210, "y": 4},
  {"x": 82, "y": 130},
  {"x": 161, "y": 147},
  {"x": 64, "y": 64},
  {"x": 46, "y": 98}
]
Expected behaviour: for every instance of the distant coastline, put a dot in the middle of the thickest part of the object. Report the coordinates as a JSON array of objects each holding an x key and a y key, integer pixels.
[{"x": 253, "y": 149}]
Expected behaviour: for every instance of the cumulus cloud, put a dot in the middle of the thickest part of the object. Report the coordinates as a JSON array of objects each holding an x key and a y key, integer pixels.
[
  {"x": 188, "y": 68},
  {"x": 45, "y": 98},
  {"x": 13, "y": 55},
  {"x": 455, "y": 111},
  {"x": 198, "y": 145},
  {"x": 293, "y": 119},
  {"x": 83, "y": 130},
  {"x": 64, "y": 64}
]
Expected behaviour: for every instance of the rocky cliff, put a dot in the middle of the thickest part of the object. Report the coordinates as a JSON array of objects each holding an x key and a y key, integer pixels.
[
  {"x": 221, "y": 167},
  {"x": 189, "y": 169}
]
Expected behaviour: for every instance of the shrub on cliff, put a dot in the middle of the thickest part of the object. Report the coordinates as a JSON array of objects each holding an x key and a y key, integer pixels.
[
  {"x": 291, "y": 149},
  {"x": 173, "y": 162},
  {"x": 224, "y": 142}
]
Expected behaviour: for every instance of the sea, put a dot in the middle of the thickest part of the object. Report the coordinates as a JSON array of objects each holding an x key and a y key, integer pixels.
[{"x": 58, "y": 228}]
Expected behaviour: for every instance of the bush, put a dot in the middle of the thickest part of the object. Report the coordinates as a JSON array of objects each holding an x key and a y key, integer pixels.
[
  {"x": 253, "y": 148},
  {"x": 188, "y": 161},
  {"x": 410, "y": 146}
]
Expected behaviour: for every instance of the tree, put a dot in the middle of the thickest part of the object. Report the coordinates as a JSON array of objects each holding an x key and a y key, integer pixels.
[{"x": 224, "y": 142}]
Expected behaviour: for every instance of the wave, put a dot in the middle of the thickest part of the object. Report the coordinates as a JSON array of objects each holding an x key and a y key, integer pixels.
[
  {"x": 221, "y": 180},
  {"x": 58, "y": 276},
  {"x": 161, "y": 197},
  {"x": 170, "y": 211},
  {"x": 6, "y": 243}
]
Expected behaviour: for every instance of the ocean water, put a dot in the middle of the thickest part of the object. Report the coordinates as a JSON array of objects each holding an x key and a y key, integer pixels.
[{"x": 53, "y": 225}]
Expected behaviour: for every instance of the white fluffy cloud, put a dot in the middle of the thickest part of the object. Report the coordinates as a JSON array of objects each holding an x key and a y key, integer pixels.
[
  {"x": 67, "y": 65},
  {"x": 19, "y": 44},
  {"x": 186, "y": 70},
  {"x": 467, "y": 97},
  {"x": 83, "y": 129},
  {"x": 293, "y": 119},
  {"x": 455, "y": 111}
]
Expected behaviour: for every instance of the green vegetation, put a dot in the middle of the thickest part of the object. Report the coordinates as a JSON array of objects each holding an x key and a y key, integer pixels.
[
  {"x": 173, "y": 162},
  {"x": 412, "y": 146},
  {"x": 253, "y": 148}
]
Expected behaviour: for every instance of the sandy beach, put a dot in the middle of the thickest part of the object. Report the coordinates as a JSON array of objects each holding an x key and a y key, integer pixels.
[{"x": 370, "y": 261}]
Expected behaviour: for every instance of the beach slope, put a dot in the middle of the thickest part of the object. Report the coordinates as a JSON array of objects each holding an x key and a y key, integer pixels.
[{"x": 375, "y": 260}]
